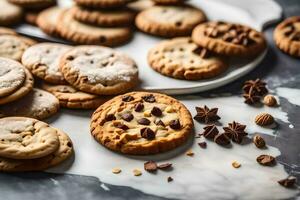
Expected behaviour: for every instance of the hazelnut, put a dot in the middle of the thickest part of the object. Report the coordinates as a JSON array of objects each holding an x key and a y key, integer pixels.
[
  {"x": 264, "y": 119},
  {"x": 147, "y": 113},
  {"x": 169, "y": 109},
  {"x": 270, "y": 100}
]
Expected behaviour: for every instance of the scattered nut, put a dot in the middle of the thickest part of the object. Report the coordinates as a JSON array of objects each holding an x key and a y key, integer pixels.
[
  {"x": 169, "y": 109},
  {"x": 147, "y": 113},
  {"x": 266, "y": 160},
  {"x": 189, "y": 153},
  {"x": 270, "y": 100},
  {"x": 264, "y": 119},
  {"x": 235, "y": 164},
  {"x": 259, "y": 141},
  {"x": 288, "y": 182},
  {"x": 137, "y": 172},
  {"x": 116, "y": 170},
  {"x": 150, "y": 166}
]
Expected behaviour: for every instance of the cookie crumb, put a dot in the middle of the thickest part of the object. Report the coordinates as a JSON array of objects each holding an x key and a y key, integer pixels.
[
  {"x": 170, "y": 179},
  {"x": 189, "y": 153},
  {"x": 236, "y": 164},
  {"x": 203, "y": 145},
  {"x": 116, "y": 170},
  {"x": 137, "y": 172}
]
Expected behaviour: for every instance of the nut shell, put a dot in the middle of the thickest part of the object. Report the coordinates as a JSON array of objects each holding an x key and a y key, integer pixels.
[
  {"x": 264, "y": 119},
  {"x": 270, "y": 100}
]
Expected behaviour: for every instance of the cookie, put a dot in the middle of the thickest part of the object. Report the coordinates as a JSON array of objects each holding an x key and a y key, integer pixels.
[
  {"x": 99, "y": 70},
  {"x": 26, "y": 138},
  {"x": 48, "y": 19},
  {"x": 7, "y": 31},
  {"x": 37, "y": 104},
  {"x": 229, "y": 39},
  {"x": 12, "y": 76},
  {"x": 33, "y": 4},
  {"x": 13, "y": 47},
  {"x": 80, "y": 33},
  {"x": 102, "y": 3},
  {"x": 169, "y": 21},
  {"x": 21, "y": 91},
  {"x": 141, "y": 123},
  {"x": 70, "y": 97},
  {"x": 140, "y": 5},
  {"x": 287, "y": 36},
  {"x": 181, "y": 58},
  {"x": 108, "y": 18},
  {"x": 64, "y": 151},
  {"x": 169, "y": 2},
  {"x": 43, "y": 61},
  {"x": 31, "y": 17},
  {"x": 10, "y": 14}
]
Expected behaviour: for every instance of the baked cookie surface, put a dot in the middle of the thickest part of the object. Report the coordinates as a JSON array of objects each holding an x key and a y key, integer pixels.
[
  {"x": 141, "y": 123},
  {"x": 99, "y": 70},
  {"x": 64, "y": 151},
  {"x": 81, "y": 33},
  {"x": 71, "y": 97},
  {"x": 287, "y": 36},
  {"x": 169, "y": 21},
  {"x": 43, "y": 61},
  {"x": 37, "y": 104},
  {"x": 102, "y": 3},
  {"x": 10, "y": 13},
  {"x": 48, "y": 19},
  {"x": 26, "y": 138},
  {"x": 229, "y": 39},
  {"x": 181, "y": 58}
]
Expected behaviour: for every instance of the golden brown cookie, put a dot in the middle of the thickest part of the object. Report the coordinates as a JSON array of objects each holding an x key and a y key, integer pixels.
[
  {"x": 229, "y": 39},
  {"x": 142, "y": 123},
  {"x": 181, "y": 58},
  {"x": 48, "y": 19},
  {"x": 21, "y": 91},
  {"x": 169, "y": 21},
  {"x": 81, "y": 33},
  {"x": 99, "y": 70},
  {"x": 13, "y": 46},
  {"x": 37, "y": 104},
  {"x": 107, "y": 18},
  {"x": 33, "y": 4},
  {"x": 70, "y": 97},
  {"x": 102, "y": 3},
  {"x": 26, "y": 138},
  {"x": 64, "y": 151},
  {"x": 287, "y": 36},
  {"x": 43, "y": 61},
  {"x": 169, "y": 2},
  {"x": 10, "y": 14}
]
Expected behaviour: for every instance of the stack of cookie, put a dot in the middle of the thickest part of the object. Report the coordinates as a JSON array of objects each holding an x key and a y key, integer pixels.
[{"x": 27, "y": 144}]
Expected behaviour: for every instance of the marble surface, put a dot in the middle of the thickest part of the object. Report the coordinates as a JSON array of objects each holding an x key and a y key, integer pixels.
[{"x": 208, "y": 174}]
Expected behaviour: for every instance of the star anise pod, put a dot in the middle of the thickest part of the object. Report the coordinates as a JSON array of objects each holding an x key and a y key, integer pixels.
[
  {"x": 235, "y": 131},
  {"x": 257, "y": 86},
  {"x": 251, "y": 98},
  {"x": 206, "y": 115}
]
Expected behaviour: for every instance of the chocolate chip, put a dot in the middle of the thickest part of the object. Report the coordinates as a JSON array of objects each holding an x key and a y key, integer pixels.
[
  {"x": 122, "y": 126},
  {"x": 144, "y": 121},
  {"x": 175, "y": 124},
  {"x": 266, "y": 160},
  {"x": 127, "y": 98},
  {"x": 158, "y": 122},
  {"x": 147, "y": 133},
  {"x": 127, "y": 117},
  {"x": 288, "y": 182},
  {"x": 156, "y": 111},
  {"x": 202, "y": 145},
  {"x": 139, "y": 107},
  {"x": 110, "y": 117},
  {"x": 164, "y": 166},
  {"x": 149, "y": 98},
  {"x": 170, "y": 179},
  {"x": 222, "y": 139},
  {"x": 150, "y": 166}
]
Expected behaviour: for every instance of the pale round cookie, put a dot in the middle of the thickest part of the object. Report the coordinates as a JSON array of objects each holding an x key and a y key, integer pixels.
[
  {"x": 33, "y": 4},
  {"x": 26, "y": 138},
  {"x": 169, "y": 21},
  {"x": 142, "y": 123},
  {"x": 287, "y": 36},
  {"x": 13, "y": 47},
  {"x": 43, "y": 61},
  {"x": 80, "y": 33},
  {"x": 229, "y": 39},
  {"x": 107, "y": 18},
  {"x": 10, "y": 14},
  {"x": 99, "y": 70},
  {"x": 102, "y": 3},
  {"x": 12, "y": 76},
  {"x": 48, "y": 19},
  {"x": 25, "y": 88},
  {"x": 7, "y": 31},
  {"x": 181, "y": 58},
  {"x": 64, "y": 151},
  {"x": 70, "y": 97},
  {"x": 37, "y": 104}
]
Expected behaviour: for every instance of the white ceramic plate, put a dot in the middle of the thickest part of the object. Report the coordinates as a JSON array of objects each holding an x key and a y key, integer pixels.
[{"x": 253, "y": 14}]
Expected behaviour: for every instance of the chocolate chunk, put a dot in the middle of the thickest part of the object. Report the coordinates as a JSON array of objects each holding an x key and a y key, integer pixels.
[
  {"x": 170, "y": 179},
  {"x": 164, "y": 166},
  {"x": 110, "y": 117},
  {"x": 144, "y": 121},
  {"x": 158, "y": 122},
  {"x": 202, "y": 145},
  {"x": 175, "y": 124},
  {"x": 156, "y": 111},
  {"x": 210, "y": 131},
  {"x": 127, "y": 98},
  {"x": 222, "y": 139},
  {"x": 122, "y": 126},
  {"x": 288, "y": 182},
  {"x": 266, "y": 160},
  {"x": 150, "y": 166},
  {"x": 147, "y": 133},
  {"x": 127, "y": 117},
  {"x": 149, "y": 98},
  {"x": 138, "y": 107}
]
